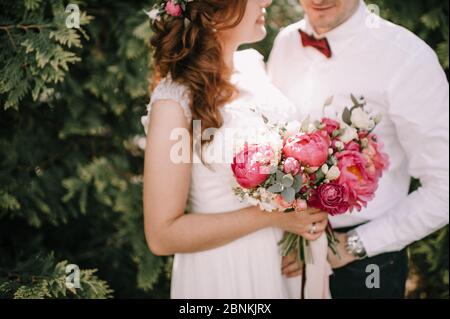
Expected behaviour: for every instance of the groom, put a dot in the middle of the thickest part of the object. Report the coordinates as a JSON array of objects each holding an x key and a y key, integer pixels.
[{"x": 341, "y": 49}]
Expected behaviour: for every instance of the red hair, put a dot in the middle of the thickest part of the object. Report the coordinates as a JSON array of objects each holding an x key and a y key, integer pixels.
[{"x": 193, "y": 55}]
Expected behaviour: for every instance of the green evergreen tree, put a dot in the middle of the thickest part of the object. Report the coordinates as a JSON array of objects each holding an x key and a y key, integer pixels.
[{"x": 70, "y": 167}]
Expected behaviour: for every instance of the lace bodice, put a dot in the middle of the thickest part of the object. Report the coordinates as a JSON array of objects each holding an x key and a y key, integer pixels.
[{"x": 167, "y": 89}]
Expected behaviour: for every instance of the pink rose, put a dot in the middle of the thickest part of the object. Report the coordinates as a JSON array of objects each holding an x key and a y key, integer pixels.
[
  {"x": 352, "y": 146},
  {"x": 173, "y": 9},
  {"x": 309, "y": 149},
  {"x": 282, "y": 204},
  {"x": 376, "y": 159},
  {"x": 252, "y": 165},
  {"x": 332, "y": 198},
  {"x": 300, "y": 205},
  {"x": 362, "y": 185},
  {"x": 330, "y": 125},
  {"x": 291, "y": 166}
]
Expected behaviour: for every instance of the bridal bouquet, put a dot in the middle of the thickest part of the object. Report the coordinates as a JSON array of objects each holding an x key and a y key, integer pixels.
[{"x": 331, "y": 165}]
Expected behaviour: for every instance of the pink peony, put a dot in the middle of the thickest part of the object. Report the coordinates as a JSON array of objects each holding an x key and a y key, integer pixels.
[
  {"x": 362, "y": 185},
  {"x": 332, "y": 198},
  {"x": 173, "y": 9},
  {"x": 352, "y": 146},
  {"x": 291, "y": 166},
  {"x": 330, "y": 125},
  {"x": 309, "y": 149},
  {"x": 377, "y": 160},
  {"x": 251, "y": 166}
]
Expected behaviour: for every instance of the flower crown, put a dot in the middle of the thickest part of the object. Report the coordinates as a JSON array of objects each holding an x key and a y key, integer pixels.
[{"x": 172, "y": 8}]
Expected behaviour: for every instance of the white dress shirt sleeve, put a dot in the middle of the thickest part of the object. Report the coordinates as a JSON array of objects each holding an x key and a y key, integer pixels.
[{"x": 418, "y": 97}]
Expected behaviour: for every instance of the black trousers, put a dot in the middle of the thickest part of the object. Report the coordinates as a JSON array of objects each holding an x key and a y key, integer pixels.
[{"x": 380, "y": 277}]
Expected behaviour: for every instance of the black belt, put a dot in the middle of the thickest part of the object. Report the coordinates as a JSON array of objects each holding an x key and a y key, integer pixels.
[{"x": 347, "y": 229}]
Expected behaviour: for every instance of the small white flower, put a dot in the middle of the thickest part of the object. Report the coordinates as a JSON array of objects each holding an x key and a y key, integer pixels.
[
  {"x": 330, "y": 151},
  {"x": 268, "y": 207},
  {"x": 311, "y": 128},
  {"x": 252, "y": 201},
  {"x": 325, "y": 169},
  {"x": 350, "y": 134},
  {"x": 153, "y": 15},
  {"x": 364, "y": 142},
  {"x": 339, "y": 145},
  {"x": 293, "y": 128},
  {"x": 333, "y": 173},
  {"x": 362, "y": 120}
]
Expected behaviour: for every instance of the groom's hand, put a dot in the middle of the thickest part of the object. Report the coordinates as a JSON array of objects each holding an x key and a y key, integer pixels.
[
  {"x": 290, "y": 266},
  {"x": 342, "y": 258}
]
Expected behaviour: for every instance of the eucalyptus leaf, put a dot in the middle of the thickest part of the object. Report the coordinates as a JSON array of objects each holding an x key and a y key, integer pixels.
[
  {"x": 280, "y": 176},
  {"x": 355, "y": 101},
  {"x": 288, "y": 180},
  {"x": 276, "y": 188},
  {"x": 288, "y": 194},
  {"x": 347, "y": 116},
  {"x": 298, "y": 181}
]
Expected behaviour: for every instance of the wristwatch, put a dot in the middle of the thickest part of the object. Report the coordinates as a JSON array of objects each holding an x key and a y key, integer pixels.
[{"x": 355, "y": 246}]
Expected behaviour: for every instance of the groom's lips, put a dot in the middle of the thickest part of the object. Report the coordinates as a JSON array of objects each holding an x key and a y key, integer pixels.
[{"x": 321, "y": 9}]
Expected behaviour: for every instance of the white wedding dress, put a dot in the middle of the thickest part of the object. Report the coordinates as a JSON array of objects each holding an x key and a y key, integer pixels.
[{"x": 249, "y": 267}]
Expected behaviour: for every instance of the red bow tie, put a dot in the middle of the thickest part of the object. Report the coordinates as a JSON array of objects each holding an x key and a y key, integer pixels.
[{"x": 320, "y": 44}]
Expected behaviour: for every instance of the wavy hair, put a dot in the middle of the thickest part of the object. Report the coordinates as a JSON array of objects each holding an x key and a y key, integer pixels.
[{"x": 192, "y": 55}]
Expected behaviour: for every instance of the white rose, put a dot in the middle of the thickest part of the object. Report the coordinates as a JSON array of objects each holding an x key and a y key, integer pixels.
[
  {"x": 361, "y": 120},
  {"x": 350, "y": 134},
  {"x": 325, "y": 169},
  {"x": 333, "y": 173}
]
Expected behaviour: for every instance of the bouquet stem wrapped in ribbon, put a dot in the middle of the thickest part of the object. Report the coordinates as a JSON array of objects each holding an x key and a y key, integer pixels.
[{"x": 332, "y": 165}]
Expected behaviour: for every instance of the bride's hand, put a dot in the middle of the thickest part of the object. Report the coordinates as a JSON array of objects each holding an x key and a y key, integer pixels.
[{"x": 302, "y": 223}]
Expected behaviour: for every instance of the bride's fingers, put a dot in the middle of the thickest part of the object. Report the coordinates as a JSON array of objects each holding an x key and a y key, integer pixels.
[
  {"x": 311, "y": 237},
  {"x": 292, "y": 268},
  {"x": 311, "y": 210},
  {"x": 288, "y": 263},
  {"x": 321, "y": 226},
  {"x": 294, "y": 274},
  {"x": 289, "y": 259}
]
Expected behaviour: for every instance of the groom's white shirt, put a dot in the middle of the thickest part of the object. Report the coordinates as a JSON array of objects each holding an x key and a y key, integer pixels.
[{"x": 400, "y": 76}]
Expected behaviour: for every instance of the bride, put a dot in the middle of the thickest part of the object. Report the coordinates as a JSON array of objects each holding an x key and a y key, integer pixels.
[{"x": 223, "y": 248}]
